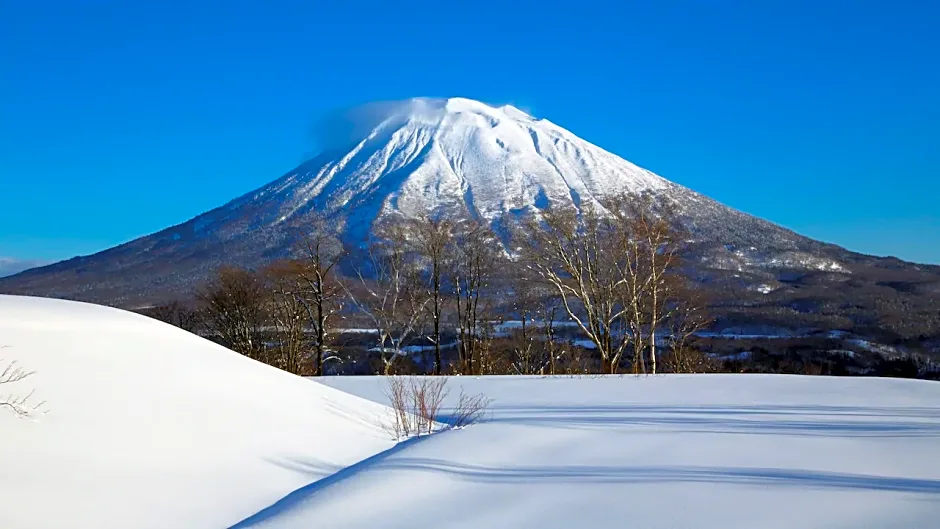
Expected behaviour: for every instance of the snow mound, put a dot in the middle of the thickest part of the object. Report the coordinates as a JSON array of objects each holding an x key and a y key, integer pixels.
[{"x": 148, "y": 426}]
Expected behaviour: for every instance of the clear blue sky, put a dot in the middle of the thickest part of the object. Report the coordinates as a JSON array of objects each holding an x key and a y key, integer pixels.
[{"x": 119, "y": 118}]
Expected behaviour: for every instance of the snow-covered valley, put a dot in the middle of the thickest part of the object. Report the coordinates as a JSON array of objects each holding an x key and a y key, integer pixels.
[{"x": 145, "y": 425}]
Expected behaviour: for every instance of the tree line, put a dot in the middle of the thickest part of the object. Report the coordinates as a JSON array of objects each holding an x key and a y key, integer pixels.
[{"x": 442, "y": 295}]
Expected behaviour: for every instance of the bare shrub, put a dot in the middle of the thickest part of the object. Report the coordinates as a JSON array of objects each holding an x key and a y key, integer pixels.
[
  {"x": 469, "y": 409},
  {"x": 18, "y": 404},
  {"x": 400, "y": 422},
  {"x": 416, "y": 403},
  {"x": 427, "y": 395},
  {"x": 687, "y": 359}
]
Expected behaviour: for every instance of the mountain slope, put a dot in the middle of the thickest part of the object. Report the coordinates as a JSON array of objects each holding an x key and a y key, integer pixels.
[{"x": 432, "y": 156}]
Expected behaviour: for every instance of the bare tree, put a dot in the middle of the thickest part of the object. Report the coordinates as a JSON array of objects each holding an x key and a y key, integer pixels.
[
  {"x": 433, "y": 239},
  {"x": 687, "y": 316},
  {"x": 18, "y": 404},
  {"x": 577, "y": 257},
  {"x": 288, "y": 316},
  {"x": 234, "y": 311},
  {"x": 175, "y": 313},
  {"x": 646, "y": 239},
  {"x": 549, "y": 314},
  {"x": 534, "y": 339},
  {"x": 320, "y": 253},
  {"x": 389, "y": 294},
  {"x": 475, "y": 263}
]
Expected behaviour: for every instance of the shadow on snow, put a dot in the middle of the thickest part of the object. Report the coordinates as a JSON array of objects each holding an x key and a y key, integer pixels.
[
  {"x": 816, "y": 421},
  {"x": 832, "y": 421}
]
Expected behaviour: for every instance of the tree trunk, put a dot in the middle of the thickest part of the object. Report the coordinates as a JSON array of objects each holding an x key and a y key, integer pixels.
[
  {"x": 437, "y": 330},
  {"x": 321, "y": 337},
  {"x": 653, "y": 351}
]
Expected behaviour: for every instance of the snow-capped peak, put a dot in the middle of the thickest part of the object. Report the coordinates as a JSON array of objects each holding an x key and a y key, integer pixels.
[{"x": 428, "y": 154}]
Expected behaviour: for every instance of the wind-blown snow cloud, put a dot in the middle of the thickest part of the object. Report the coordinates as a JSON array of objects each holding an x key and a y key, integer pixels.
[
  {"x": 342, "y": 128},
  {"x": 347, "y": 126}
]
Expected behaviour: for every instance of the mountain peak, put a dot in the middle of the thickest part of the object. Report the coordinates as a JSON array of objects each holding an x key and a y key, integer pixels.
[
  {"x": 462, "y": 104},
  {"x": 458, "y": 155},
  {"x": 422, "y": 111}
]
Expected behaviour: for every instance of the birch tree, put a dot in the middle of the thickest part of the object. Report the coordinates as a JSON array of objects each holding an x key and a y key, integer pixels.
[
  {"x": 648, "y": 235},
  {"x": 574, "y": 255},
  {"x": 388, "y": 292}
]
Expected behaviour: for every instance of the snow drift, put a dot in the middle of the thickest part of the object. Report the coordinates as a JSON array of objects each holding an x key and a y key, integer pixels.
[{"x": 148, "y": 426}]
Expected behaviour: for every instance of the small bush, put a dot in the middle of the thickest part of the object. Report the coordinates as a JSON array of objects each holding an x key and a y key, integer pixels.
[
  {"x": 416, "y": 403},
  {"x": 469, "y": 409},
  {"x": 19, "y": 405}
]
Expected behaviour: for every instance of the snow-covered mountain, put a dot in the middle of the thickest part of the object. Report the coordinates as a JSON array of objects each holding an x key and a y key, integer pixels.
[
  {"x": 462, "y": 157},
  {"x": 415, "y": 158}
]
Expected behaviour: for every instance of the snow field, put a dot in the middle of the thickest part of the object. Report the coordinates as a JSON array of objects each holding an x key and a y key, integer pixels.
[{"x": 699, "y": 451}]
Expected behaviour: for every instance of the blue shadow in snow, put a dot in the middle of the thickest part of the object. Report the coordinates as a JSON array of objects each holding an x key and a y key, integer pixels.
[
  {"x": 307, "y": 491},
  {"x": 816, "y": 421},
  {"x": 664, "y": 474}
]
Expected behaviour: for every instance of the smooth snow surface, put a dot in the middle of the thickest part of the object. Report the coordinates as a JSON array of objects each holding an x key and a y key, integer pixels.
[
  {"x": 147, "y": 426},
  {"x": 676, "y": 452}
]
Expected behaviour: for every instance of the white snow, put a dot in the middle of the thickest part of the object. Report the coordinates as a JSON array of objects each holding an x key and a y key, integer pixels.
[
  {"x": 699, "y": 451},
  {"x": 765, "y": 289},
  {"x": 884, "y": 350},
  {"x": 742, "y": 355},
  {"x": 148, "y": 426}
]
